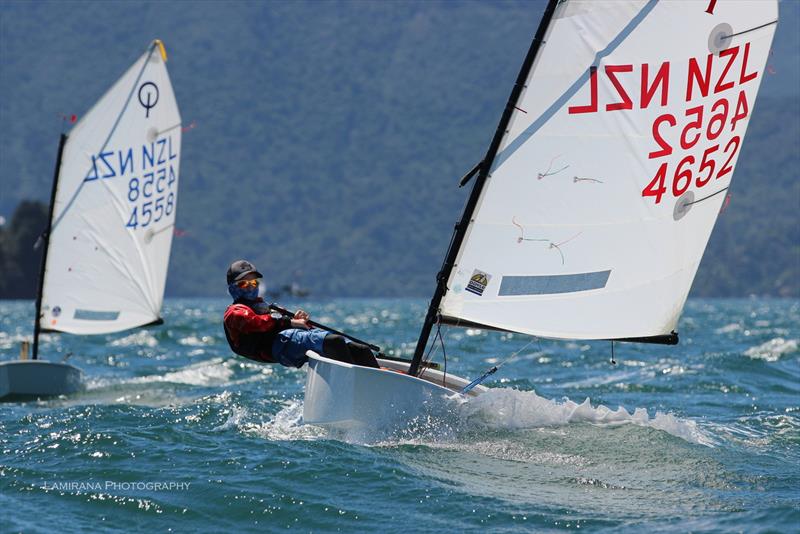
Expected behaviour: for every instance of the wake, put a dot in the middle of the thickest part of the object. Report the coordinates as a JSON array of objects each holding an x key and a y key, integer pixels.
[
  {"x": 496, "y": 409},
  {"x": 511, "y": 409}
]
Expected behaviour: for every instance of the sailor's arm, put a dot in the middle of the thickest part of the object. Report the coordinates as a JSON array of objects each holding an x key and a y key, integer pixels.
[
  {"x": 300, "y": 320},
  {"x": 242, "y": 319}
]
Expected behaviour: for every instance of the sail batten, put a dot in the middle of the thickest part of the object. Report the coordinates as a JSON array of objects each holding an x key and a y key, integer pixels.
[
  {"x": 117, "y": 194},
  {"x": 612, "y": 170}
]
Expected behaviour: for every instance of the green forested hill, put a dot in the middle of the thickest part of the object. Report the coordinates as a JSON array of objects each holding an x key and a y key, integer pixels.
[
  {"x": 755, "y": 247},
  {"x": 330, "y": 135}
]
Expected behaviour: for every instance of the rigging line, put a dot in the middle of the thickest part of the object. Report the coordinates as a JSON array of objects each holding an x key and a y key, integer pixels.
[
  {"x": 444, "y": 352},
  {"x": 750, "y": 30},
  {"x": 514, "y": 355},
  {"x": 427, "y": 357},
  {"x": 113, "y": 129},
  {"x": 493, "y": 370},
  {"x": 706, "y": 198},
  {"x": 430, "y": 352}
]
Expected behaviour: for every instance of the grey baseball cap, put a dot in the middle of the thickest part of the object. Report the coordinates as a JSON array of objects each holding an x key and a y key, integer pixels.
[{"x": 241, "y": 268}]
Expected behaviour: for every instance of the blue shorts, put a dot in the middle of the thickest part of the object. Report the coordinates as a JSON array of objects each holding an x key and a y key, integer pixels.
[{"x": 290, "y": 346}]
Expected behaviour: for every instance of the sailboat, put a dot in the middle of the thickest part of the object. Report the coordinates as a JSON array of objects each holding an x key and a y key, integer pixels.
[
  {"x": 110, "y": 226},
  {"x": 591, "y": 210}
]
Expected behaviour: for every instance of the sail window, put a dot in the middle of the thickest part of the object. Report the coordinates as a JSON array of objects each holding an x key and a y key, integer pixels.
[
  {"x": 552, "y": 284},
  {"x": 94, "y": 315}
]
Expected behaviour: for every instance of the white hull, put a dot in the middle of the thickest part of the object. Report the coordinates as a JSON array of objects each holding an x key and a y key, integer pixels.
[
  {"x": 30, "y": 379},
  {"x": 352, "y": 398}
]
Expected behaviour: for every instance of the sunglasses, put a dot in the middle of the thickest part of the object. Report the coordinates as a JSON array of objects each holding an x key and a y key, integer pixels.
[{"x": 243, "y": 284}]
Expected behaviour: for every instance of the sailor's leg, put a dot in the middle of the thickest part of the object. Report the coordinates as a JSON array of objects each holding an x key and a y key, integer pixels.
[
  {"x": 290, "y": 346},
  {"x": 362, "y": 355},
  {"x": 335, "y": 347}
]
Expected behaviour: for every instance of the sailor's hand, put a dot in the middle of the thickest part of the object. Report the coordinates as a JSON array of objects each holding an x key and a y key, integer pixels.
[
  {"x": 300, "y": 323},
  {"x": 300, "y": 314}
]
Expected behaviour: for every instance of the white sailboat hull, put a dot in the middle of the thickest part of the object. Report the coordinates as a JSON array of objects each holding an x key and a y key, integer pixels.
[
  {"x": 348, "y": 397},
  {"x": 30, "y": 379}
]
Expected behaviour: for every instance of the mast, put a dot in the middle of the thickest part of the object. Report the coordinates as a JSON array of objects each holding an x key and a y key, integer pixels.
[
  {"x": 46, "y": 235},
  {"x": 461, "y": 227}
]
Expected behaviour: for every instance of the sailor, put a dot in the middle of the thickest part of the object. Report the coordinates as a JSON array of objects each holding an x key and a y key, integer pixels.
[{"x": 255, "y": 333}]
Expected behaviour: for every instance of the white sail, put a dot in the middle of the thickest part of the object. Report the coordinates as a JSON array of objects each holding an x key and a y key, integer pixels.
[
  {"x": 612, "y": 171},
  {"x": 115, "y": 204}
]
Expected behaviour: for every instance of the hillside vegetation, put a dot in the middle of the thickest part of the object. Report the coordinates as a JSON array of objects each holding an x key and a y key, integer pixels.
[{"x": 330, "y": 135}]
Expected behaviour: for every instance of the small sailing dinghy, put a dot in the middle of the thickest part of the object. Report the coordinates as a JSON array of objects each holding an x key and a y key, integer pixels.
[
  {"x": 109, "y": 233},
  {"x": 591, "y": 210}
]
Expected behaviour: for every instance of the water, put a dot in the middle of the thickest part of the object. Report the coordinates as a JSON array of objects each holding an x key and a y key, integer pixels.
[{"x": 174, "y": 432}]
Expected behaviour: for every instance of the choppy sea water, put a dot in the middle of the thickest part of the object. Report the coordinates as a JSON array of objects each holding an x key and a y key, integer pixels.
[{"x": 174, "y": 432}]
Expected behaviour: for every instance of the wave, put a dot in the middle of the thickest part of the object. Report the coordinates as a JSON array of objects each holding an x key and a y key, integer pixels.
[
  {"x": 213, "y": 372},
  {"x": 197, "y": 341},
  {"x": 170, "y": 387},
  {"x": 497, "y": 409},
  {"x": 286, "y": 425},
  {"x": 772, "y": 350},
  {"x": 9, "y": 341},
  {"x": 236, "y": 417},
  {"x": 511, "y": 409},
  {"x": 137, "y": 339}
]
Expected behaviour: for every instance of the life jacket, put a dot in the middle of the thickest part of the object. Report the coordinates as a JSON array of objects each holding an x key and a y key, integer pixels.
[{"x": 255, "y": 346}]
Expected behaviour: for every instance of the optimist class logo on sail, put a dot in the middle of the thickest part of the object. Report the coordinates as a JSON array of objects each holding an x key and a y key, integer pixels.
[
  {"x": 148, "y": 97},
  {"x": 694, "y": 145}
]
